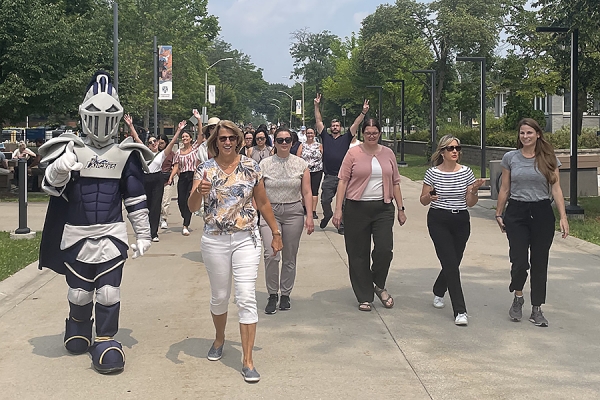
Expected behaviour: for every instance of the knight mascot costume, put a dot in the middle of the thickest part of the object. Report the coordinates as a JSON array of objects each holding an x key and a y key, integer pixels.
[{"x": 85, "y": 236}]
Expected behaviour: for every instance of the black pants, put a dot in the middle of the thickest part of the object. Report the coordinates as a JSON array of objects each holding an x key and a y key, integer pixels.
[
  {"x": 449, "y": 232},
  {"x": 184, "y": 188},
  {"x": 315, "y": 182},
  {"x": 530, "y": 231},
  {"x": 366, "y": 219},
  {"x": 328, "y": 191},
  {"x": 153, "y": 184}
]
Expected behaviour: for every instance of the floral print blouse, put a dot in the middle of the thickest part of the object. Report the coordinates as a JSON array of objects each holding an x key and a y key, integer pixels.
[{"x": 228, "y": 206}]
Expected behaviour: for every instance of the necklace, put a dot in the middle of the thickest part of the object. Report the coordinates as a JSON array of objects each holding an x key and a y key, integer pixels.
[{"x": 224, "y": 167}]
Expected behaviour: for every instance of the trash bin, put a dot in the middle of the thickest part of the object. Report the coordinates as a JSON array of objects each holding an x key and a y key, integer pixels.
[{"x": 495, "y": 178}]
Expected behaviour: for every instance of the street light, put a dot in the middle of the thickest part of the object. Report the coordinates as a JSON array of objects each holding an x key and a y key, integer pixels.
[
  {"x": 206, "y": 77},
  {"x": 402, "y": 162},
  {"x": 572, "y": 209},
  {"x": 432, "y": 88},
  {"x": 480, "y": 60},
  {"x": 380, "y": 89},
  {"x": 279, "y": 108},
  {"x": 301, "y": 84},
  {"x": 291, "y": 101}
]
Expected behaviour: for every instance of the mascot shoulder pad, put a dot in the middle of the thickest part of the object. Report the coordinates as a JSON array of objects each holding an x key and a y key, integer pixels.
[
  {"x": 53, "y": 148},
  {"x": 144, "y": 152}
]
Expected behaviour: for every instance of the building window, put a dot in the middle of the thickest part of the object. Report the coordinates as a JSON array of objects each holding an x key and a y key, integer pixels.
[
  {"x": 541, "y": 103},
  {"x": 567, "y": 98}
]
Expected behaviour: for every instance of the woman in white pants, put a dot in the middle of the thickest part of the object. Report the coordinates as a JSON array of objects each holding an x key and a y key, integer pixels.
[{"x": 231, "y": 242}]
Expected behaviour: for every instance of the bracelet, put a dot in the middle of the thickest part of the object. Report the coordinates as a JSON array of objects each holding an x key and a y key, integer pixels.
[
  {"x": 363, "y": 113},
  {"x": 499, "y": 216}
]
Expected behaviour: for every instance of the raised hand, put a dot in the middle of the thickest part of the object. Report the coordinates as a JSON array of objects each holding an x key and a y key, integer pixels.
[
  {"x": 128, "y": 120},
  {"x": 182, "y": 124},
  {"x": 318, "y": 99},
  {"x": 365, "y": 108},
  {"x": 68, "y": 161}
]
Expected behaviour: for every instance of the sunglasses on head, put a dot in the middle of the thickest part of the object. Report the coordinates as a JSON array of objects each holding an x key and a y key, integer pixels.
[
  {"x": 452, "y": 148},
  {"x": 280, "y": 140},
  {"x": 232, "y": 139}
]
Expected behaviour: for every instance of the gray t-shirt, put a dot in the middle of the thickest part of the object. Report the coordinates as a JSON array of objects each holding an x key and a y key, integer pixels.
[{"x": 526, "y": 182}]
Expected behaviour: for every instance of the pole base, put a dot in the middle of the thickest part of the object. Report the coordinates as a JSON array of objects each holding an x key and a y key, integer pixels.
[
  {"x": 574, "y": 212},
  {"x": 19, "y": 234},
  {"x": 402, "y": 164}
]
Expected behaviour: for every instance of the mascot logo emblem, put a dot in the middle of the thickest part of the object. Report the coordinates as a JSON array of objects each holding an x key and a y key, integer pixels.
[{"x": 99, "y": 163}]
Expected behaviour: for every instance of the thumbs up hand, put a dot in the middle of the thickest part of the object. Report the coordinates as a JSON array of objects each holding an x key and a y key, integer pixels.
[{"x": 205, "y": 185}]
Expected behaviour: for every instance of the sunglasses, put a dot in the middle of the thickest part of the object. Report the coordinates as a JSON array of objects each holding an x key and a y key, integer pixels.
[
  {"x": 452, "y": 148},
  {"x": 280, "y": 140},
  {"x": 261, "y": 138},
  {"x": 232, "y": 139},
  {"x": 151, "y": 141}
]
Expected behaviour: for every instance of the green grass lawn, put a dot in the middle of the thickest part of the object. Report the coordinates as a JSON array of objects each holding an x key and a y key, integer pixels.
[
  {"x": 13, "y": 197},
  {"x": 17, "y": 254},
  {"x": 417, "y": 165},
  {"x": 587, "y": 229}
]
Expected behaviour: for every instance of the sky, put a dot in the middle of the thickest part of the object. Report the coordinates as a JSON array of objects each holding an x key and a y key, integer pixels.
[{"x": 262, "y": 29}]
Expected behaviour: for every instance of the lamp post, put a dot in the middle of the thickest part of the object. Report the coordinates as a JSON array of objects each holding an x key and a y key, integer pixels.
[
  {"x": 291, "y": 101},
  {"x": 278, "y": 108},
  {"x": 480, "y": 60},
  {"x": 432, "y": 88},
  {"x": 301, "y": 84},
  {"x": 401, "y": 162},
  {"x": 380, "y": 89},
  {"x": 206, "y": 76},
  {"x": 573, "y": 210}
]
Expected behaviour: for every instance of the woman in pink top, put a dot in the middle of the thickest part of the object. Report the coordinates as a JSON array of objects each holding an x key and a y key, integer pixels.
[{"x": 369, "y": 180}]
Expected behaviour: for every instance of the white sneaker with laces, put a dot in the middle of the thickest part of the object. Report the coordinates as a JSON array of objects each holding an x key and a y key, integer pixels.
[
  {"x": 185, "y": 231},
  {"x": 438, "y": 302},
  {"x": 461, "y": 319},
  {"x": 155, "y": 239},
  {"x": 163, "y": 224}
]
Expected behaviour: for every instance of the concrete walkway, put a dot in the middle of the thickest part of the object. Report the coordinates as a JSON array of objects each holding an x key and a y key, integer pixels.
[{"x": 323, "y": 348}]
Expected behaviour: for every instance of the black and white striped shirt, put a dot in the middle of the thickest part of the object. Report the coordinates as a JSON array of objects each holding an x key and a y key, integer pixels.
[{"x": 450, "y": 187}]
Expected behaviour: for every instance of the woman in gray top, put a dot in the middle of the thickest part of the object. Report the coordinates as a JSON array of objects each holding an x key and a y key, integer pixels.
[{"x": 529, "y": 181}]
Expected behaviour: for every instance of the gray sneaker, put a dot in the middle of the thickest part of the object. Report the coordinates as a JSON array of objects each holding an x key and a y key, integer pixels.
[
  {"x": 250, "y": 375},
  {"x": 215, "y": 354},
  {"x": 516, "y": 310},
  {"x": 537, "y": 317}
]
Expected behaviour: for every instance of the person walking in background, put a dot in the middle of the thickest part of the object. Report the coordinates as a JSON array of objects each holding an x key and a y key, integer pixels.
[
  {"x": 260, "y": 149},
  {"x": 153, "y": 178},
  {"x": 302, "y": 134},
  {"x": 231, "y": 243},
  {"x": 530, "y": 181},
  {"x": 248, "y": 138},
  {"x": 369, "y": 180},
  {"x": 207, "y": 130},
  {"x": 449, "y": 188},
  {"x": 312, "y": 152},
  {"x": 184, "y": 165},
  {"x": 335, "y": 146},
  {"x": 287, "y": 182},
  {"x": 166, "y": 169}
]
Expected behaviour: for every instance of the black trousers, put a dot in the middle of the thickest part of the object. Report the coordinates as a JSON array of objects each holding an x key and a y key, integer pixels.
[
  {"x": 184, "y": 188},
  {"x": 153, "y": 184},
  {"x": 449, "y": 232},
  {"x": 530, "y": 231},
  {"x": 366, "y": 219}
]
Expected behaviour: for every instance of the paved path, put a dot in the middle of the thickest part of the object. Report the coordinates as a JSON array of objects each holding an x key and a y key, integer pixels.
[{"x": 323, "y": 348}]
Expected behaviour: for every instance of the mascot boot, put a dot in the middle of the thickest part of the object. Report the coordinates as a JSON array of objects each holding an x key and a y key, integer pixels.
[
  {"x": 78, "y": 335},
  {"x": 107, "y": 355}
]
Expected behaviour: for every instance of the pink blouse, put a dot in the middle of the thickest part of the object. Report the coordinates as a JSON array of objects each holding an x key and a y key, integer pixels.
[{"x": 356, "y": 170}]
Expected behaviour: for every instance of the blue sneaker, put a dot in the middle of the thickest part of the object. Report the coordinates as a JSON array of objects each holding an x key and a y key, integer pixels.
[
  {"x": 215, "y": 354},
  {"x": 250, "y": 375}
]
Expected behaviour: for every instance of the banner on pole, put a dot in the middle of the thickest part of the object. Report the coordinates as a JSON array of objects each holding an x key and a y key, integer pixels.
[
  {"x": 165, "y": 72},
  {"x": 211, "y": 94},
  {"x": 298, "y": 107}
]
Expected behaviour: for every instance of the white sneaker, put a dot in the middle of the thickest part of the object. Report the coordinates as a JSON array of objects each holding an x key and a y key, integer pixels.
[
  {"x": 438, "y": 302},
  {"x": 461, "y": 319},
  {"x": 155, "y": 239},
  {"x": 163, "y": 224},
  {"x": 185, "y": 231}
]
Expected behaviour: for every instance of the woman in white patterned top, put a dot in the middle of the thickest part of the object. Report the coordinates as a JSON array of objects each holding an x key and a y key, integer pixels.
[
  {"x": 230, "y": 244},
  {"x": 449, "y": 188},
  {"x": 312, "y": 152},
  {"x": 287, "y": 182}
]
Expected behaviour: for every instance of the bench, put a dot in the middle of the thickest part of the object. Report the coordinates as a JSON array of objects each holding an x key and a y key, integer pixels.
[{"x": 587, "y": 174}]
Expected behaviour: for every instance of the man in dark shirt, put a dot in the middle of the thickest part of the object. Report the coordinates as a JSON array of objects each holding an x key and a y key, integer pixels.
[{"x": 335, "y": 146}]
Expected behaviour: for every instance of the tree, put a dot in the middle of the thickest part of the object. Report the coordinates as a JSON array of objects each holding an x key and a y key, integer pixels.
[{"x": 312, "y": 56}]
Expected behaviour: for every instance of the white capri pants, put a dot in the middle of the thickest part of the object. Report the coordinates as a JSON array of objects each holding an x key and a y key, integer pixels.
[{"x": 236, "y": 255}]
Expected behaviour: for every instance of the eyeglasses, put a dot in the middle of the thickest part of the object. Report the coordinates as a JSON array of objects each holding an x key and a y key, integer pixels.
[
  {"x": 261, "y": 138},
  {"x": 452, "y": 148},
  {"x": 232, "y": 139},
  {"x": 280, "y": 140},
  {"x": 371, "y": 133}
]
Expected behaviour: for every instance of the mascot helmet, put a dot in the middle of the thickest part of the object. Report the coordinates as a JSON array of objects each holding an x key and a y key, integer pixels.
[{"x": 101, "y": 110}]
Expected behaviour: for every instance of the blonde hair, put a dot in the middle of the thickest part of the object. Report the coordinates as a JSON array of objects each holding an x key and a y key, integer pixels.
[
  {"x": 436, "y": 157},
  {"x": 211, "y": 142},
  {"x": 545, "y": 159}
]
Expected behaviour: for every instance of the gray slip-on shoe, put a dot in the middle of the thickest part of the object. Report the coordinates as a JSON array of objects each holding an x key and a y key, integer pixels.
[
  {"x": 250, "y": 375},
  {"x": 215, "y": 354}
]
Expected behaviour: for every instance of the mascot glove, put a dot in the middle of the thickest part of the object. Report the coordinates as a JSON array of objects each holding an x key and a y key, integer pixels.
[
  {"x": 68, "y": 161},
  {"x": 140, "y": 247}
]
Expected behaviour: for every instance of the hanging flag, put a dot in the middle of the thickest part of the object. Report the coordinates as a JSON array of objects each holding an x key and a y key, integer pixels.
[
  {"x": 165, "y": 72},
  {"x": 298, "y": 107},
  {"x": 211, "y": 94}
]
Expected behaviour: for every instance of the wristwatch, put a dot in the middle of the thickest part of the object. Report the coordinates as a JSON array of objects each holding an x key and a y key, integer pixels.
[
  {"x": 401, "y": 208},
  {"x": 276, "y": 233}
]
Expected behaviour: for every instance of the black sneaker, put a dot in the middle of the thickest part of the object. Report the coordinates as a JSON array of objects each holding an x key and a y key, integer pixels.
[
  {"x": 324, "y": 222},
  {"x": 341, "y": 230},
  {"x": 516, "y": 310},
  {"x": 271, "y": 307},
  {"x": 537, "y": 317},
  {"x": 284, "y": 304},
  {"x": 315, "y": 216}
]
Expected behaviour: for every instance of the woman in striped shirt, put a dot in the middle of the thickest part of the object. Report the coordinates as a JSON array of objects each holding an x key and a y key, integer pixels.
[
  {"x": 184, "y": 165},
  {"x": 449, "y": 188}
]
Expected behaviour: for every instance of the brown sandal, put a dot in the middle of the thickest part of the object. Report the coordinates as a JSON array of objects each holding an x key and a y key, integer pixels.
[
  {"x": 364, "y": 306},
  {"x": 389, "y": 300}
]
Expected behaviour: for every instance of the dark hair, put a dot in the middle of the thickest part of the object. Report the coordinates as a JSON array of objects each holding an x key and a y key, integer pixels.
[
  {"x": 335, "y": 120},
  {"x": 263, "y": 129},
  {"x": 371, "y": 122},
  {"x": 164, "y": 137},
  {"x": 284, "y": 129}
]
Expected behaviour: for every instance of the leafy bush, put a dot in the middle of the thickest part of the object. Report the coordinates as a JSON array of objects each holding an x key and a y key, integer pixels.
[
  {"x": 561, "y": 139},
  {"x": 519, "y": 107}
]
